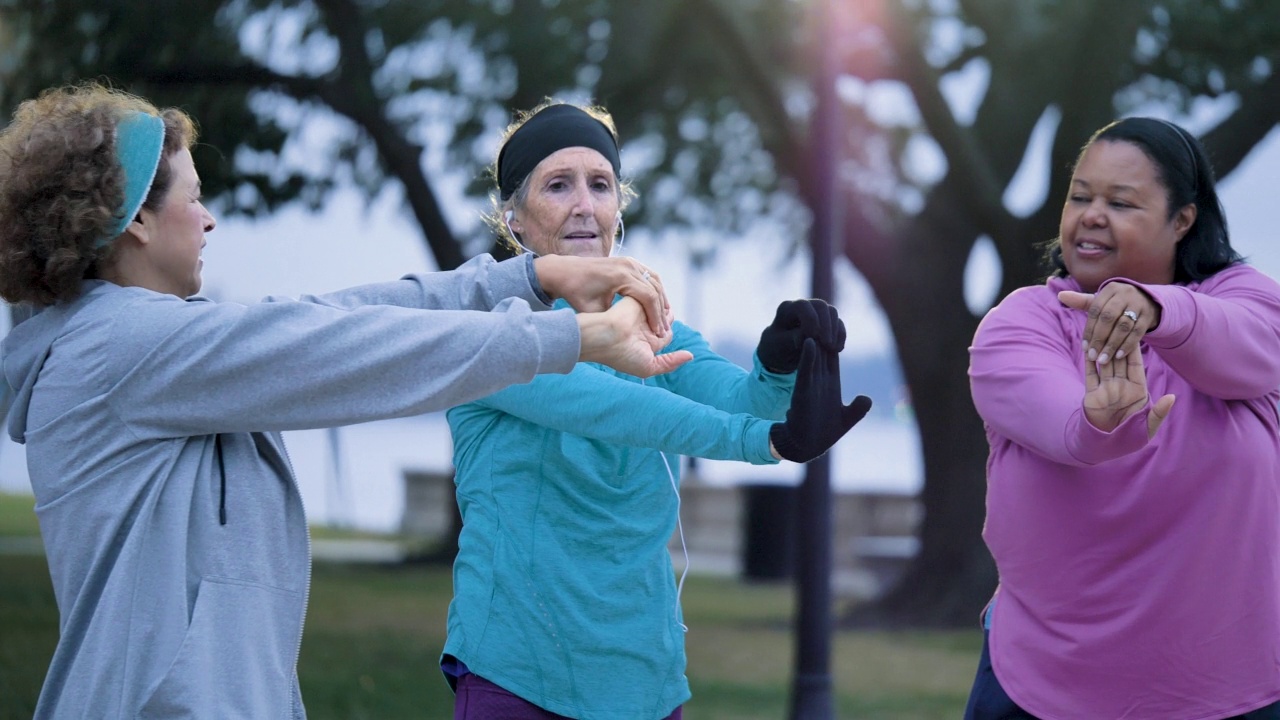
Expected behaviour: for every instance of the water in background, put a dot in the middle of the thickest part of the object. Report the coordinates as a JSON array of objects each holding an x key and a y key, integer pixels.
[{"x": 353, "y": 476}]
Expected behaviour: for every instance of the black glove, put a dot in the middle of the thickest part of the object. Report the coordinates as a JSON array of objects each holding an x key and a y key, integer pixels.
[
  {"x": 817, "y": 417},
  {"x": 780, "y": 343}
]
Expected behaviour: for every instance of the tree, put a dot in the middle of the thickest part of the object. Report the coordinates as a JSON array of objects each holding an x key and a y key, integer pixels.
[{"x": 716, "y": 92}]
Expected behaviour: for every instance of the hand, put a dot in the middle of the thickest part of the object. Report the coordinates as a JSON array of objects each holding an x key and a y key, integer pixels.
[
  {"x": 621, "y": 339},
  {"x": 1110, "y": 333},
  {"x": 796, "y": 320},
  {"x": 590, "y": 284},
  {"x": 817, "y": 417},
  {"x": 1117, "y": 391}
]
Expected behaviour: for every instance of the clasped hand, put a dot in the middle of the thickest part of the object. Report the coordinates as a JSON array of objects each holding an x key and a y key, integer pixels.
[{"x": 1115, "y": 376}]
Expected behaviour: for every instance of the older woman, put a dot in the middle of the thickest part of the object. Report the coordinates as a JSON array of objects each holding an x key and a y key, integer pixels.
[
  {"x": 175, "y": 534},
  {"x": 1138, "y": 541},
  {"x": 565, "y": 598}
]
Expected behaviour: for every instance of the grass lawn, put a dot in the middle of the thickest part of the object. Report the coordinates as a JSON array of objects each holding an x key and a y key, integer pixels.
[{"x": 374, "y": 634}]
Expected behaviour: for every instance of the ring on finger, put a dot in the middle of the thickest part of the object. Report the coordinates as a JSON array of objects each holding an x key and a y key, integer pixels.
[
  {"x": 645, "y": 277},
  {"x": 1131, "y": 315}
]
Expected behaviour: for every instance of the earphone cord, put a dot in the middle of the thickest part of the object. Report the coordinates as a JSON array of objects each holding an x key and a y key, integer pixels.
[
  {"x": 684, "y": 547},
  {"x": 617, "y": 247}
]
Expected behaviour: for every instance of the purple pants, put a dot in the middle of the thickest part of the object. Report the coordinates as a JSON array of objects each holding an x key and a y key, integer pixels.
[{"x": 479, "y": 699}]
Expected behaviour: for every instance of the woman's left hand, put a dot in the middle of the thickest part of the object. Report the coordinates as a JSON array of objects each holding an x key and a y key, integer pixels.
[{"x": 1119, "y": 315}]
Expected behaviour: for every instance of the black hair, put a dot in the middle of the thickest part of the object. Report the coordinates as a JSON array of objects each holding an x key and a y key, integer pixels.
[{"x": 1183, "y": 168}]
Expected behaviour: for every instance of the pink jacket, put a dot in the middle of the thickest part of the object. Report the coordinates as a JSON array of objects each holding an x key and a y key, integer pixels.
[{"x": 1139, "y": 579}]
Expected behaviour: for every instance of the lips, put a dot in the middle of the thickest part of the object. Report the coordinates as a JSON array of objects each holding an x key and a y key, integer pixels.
[{"x": 1091, "y": 248}]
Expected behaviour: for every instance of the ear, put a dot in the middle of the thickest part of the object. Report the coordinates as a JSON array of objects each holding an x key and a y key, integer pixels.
[
  {"x": 1183, "y": 221},
  {"x": 138, "y": 230}
]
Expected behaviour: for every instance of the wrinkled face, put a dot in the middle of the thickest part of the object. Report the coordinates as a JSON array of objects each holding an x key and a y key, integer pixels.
[
  {"x": 572, "y": 205},
  {"x": 1116, "y": 219},
  {"x": 176, "y": 231}
]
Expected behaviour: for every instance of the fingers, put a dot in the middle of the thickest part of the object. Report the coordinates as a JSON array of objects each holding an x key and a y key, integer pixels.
[
  {"x": 1119, "y": 316},
  {"x": 808, "y": 319},
  {"x": 840, "y": 331},
  {"x": 808, "y": 364},
  {"x": 667, "y": 362},
  {"x": 1075, "y": 300},
  {"x": 1159, "y": 413},
  {"x": 653, "y": 297},
  {"x": 1092, "y": 379},
  {"x": 855, "y": 411}
]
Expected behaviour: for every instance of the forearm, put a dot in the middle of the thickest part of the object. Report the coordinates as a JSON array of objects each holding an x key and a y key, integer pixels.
[
  {"x": 479, "y": 284},
  {"x": 595, "y": 404},
  {"x": 287, "y": 366},
  {"x": 1223, "y": 339}
]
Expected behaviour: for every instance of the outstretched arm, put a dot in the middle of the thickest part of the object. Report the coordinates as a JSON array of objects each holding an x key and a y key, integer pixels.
[{"x": 1223, "y": 337}]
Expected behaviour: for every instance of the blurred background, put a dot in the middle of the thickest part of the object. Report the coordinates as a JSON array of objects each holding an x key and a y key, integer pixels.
[{"x": 345, "y": 141}]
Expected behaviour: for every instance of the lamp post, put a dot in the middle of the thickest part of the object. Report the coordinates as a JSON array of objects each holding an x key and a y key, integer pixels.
[{"x": 811, "y": 691}]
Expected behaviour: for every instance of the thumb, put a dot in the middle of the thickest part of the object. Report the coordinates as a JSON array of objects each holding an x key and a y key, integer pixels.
[
  {"x": 1075, "y": 300},
  {"x": 852, "y": 413},
  {"x": 667, "y": 362},
  {"x": 1159, "y": 412}
]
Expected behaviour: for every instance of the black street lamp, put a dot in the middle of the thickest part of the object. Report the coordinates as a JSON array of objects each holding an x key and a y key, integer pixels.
[{"x": 811, "y": 691}]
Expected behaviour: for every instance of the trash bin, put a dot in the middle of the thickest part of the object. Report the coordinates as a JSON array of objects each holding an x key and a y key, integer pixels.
[{"x": 768, "y": 533}]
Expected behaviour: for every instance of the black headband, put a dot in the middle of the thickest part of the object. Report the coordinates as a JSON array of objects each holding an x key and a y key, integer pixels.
[
  {"x": 554, "y": 128},
  {"x": 1195, "y": 165}
]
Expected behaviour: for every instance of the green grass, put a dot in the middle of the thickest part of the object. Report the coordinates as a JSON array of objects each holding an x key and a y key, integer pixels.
[
  {"x": 17, "y": 516},
  {"x": 373, "y": 637}
]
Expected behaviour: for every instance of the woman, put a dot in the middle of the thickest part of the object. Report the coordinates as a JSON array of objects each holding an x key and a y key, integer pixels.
[
  {"x": 1138, "y": 541},
  {"x": 565, "y": 602},
  {"x": 175, "y": 534}
]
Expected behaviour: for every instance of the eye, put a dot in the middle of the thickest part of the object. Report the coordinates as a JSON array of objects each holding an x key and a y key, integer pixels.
[
  {"x": 1078, "y": 198},
  {"x": 1120, "y": 204},
  {"x": 556, "y": 184},
  {"x": 601, "y": 185}
]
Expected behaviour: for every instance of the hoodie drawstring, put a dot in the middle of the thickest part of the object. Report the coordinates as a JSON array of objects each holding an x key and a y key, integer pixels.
[{"x": 222, "y": 473}]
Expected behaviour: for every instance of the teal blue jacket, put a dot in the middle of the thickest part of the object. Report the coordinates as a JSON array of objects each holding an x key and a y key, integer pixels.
[{"x": 564, "y": 592}]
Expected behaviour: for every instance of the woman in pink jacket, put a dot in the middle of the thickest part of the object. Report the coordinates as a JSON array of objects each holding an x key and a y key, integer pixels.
[{"x": 1137, "y": 539}]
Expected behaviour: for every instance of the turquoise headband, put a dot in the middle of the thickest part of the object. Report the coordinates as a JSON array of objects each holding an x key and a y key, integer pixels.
[{"x": 139, "y": 144}]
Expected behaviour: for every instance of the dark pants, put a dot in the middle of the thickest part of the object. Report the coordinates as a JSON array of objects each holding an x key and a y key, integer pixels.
[
  {"x": 988, "y": 701},
  {"x": 479, "y": 699}
]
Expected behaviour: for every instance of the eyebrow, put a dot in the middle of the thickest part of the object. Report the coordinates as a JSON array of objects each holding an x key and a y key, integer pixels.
[{"x": 1112, "y": 188}]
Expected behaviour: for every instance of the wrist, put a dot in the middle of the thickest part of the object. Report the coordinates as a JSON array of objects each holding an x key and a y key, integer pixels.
[
  {"x": 547, "y": 270},
  {"x": 596, "y": 335}
]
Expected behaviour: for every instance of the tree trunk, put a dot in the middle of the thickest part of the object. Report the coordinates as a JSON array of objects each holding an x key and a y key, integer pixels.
[{"x": 922, "y": 293}]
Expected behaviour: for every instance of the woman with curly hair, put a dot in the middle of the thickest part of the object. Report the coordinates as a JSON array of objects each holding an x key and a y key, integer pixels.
[{"x": 175, "y": 534}]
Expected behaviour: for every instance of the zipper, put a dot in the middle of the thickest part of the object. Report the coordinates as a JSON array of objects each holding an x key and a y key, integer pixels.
[{"x": 306, "y": 596}]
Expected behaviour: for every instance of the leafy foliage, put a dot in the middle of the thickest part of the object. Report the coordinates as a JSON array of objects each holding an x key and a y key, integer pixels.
[{"x": 940, "y": 101}]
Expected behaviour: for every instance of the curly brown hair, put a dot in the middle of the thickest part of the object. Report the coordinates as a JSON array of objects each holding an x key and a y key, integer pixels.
[{"x": 61, "y": 184}]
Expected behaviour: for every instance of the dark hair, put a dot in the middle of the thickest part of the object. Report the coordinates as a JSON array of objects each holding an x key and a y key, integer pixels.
[
  {"x": 61, "y": 184},
  {"x": 499, "y": 207},
  {"x": 1183, "y": 168}
]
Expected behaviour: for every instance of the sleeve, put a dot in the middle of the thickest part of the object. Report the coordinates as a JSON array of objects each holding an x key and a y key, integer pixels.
[
  {"x": 479, "y": 284},
  {"x": 1027, "y": 381},
  {"x": 1222, "y": 337},
  {"x": 592, "y": 403},
  {"x": 199, "y": 367},
  {"x": 713, "y": 380}
]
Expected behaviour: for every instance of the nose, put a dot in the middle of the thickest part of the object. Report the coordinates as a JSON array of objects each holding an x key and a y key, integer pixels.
[
  {"x": 210, "y": 222},
  {"x": 1095, "y": 215},
  {"x": 583, "y": 202}
]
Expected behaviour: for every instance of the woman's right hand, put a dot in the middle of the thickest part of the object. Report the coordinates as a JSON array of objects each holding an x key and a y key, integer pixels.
[{"x": 1117, "y": 391}]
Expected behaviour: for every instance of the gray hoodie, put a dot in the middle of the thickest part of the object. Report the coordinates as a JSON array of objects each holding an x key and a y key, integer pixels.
[{"x": 148, "y": 418}]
